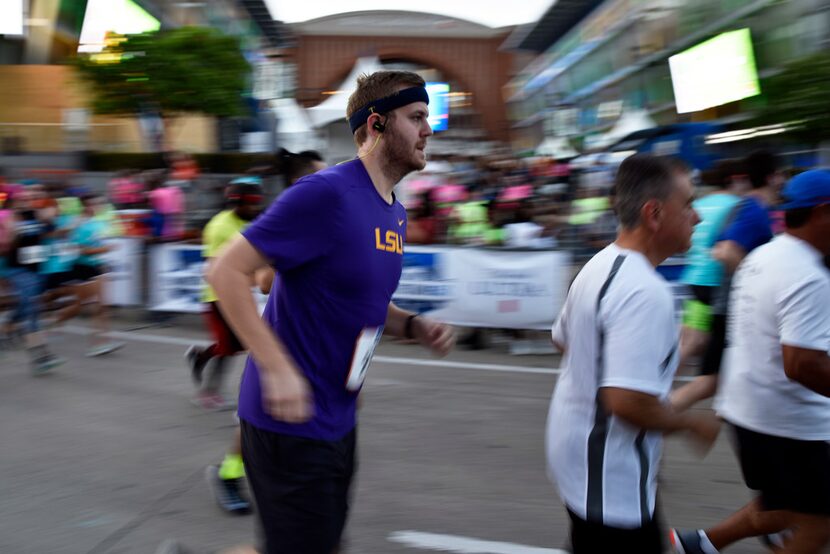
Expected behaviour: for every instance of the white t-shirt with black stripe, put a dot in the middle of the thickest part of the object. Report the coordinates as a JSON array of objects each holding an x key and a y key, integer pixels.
[{"x": 619, "y": 330}]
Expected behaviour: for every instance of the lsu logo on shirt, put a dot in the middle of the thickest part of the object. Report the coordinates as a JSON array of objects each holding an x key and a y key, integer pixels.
[{"x": 388, "y": 242}]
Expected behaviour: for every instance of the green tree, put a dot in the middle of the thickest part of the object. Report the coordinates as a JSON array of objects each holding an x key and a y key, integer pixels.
[
  {"x": 172, "y": 72},
  {"x": 800, "y": 93}
]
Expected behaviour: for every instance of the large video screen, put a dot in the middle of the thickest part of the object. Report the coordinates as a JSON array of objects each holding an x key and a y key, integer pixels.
[
  {"x": 11, "y": 17},
  {"x": 715, "y": 72},
  {"x": 439, "y": 106},
  {"x": 124, "y": 17}
]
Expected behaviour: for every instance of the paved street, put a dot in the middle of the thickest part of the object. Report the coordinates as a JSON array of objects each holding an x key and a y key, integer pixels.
[{"x": 107, "y": 455}]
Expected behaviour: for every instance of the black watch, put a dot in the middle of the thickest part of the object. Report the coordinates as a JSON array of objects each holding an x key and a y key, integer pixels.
[{"x": 407, "y": 330}]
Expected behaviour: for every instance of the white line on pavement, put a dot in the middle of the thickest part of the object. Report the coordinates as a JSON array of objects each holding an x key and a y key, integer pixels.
[
  {"x": 138, "y": 337},
  {"x": 466, "y": 365},
  {"x": 179, "y": 341},
  {"x": 463, "y": 545}
]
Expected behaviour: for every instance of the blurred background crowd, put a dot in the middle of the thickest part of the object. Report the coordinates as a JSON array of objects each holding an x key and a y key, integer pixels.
[{"x": 157, "y": 105}]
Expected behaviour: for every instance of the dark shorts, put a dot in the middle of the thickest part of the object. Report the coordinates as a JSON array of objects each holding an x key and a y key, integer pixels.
[
  {"x": 713, "y": 356},
  {"x": 789, "y": 474},
  {"x": 52, "y": 281},
  {"x": 595, "y": 538},
  {"x": 703, "y": 294},
  {"x": 84, "y": 272},
  {"x": 301, "y": 487},
  {"x": 227, "y": 344}
]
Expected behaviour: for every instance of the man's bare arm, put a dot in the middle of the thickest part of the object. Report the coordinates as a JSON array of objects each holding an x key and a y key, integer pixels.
[
  {"x": 647, "y": 412},
  {"x": 286, "y": 395},
  {"x": 729, "y": 253},
  {"x": 807, "y": 367}
]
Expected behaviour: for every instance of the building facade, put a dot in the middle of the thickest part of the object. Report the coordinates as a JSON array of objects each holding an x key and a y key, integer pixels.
[
  {"x": 44, "y": 107},
  {"x": 610, "y": 57}
]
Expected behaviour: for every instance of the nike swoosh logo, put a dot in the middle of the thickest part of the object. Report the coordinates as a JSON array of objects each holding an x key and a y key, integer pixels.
[{"x": 400, "y": 222}]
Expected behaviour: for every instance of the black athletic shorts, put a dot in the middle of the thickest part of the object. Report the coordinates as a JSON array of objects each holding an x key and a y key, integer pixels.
[
  {"x": 84, "y": 272},
  {"x": 301, "y": 488},
  {"x": 52, "y": 281},
  {"x": 713, "y": 356},
  {"x": 596, "y": 538},
  {"x": 789, "y": 474},
  {"x": 702, "y": 294}
]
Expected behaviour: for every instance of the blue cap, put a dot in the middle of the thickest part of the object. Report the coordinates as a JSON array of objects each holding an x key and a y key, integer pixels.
[{"x": 807, "y": 190}]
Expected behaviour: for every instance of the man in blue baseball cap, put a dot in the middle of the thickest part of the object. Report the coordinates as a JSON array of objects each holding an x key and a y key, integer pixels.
[
  {"x": 807, "y": 190},
  {"x": 775, "y": 383}
]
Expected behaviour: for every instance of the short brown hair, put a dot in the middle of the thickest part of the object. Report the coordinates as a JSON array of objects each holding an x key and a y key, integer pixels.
[{"x": 379, "y": 84}]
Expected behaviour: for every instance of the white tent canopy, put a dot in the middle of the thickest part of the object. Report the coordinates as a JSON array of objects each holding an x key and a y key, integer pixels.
[
  {"x": 294, "y": 129},
  {"x": 334, "y": 107},
  {"x": 556, "y": 147},
  {"x": 629, "y": 122}
]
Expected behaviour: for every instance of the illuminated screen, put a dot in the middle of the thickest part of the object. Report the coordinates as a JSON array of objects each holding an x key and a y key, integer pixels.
[
  {"x": 439, "y": 105},
  {"x": 11, "y": 17},
  {"x": 715, "y": 72},
  {"x": 124, "y": 17}
]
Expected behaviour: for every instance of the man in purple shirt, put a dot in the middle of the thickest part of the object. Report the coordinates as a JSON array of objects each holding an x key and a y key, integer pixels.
[{"x": 336, "y": 241}]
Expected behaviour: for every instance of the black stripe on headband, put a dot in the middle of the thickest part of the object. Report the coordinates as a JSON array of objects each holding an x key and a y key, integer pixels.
[{"x": 387, "y": 104}]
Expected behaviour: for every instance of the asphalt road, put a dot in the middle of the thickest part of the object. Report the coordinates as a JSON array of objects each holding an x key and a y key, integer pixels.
[{"x": 107, "y": 455}]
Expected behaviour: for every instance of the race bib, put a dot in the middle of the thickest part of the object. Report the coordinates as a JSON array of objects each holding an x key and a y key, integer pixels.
[
  {"x": 68, "y": 251},
  {"x": 29, "y": 255},
  {"x": 363, "y": 351}
]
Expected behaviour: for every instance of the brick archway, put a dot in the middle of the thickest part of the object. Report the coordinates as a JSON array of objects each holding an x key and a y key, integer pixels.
[{"x": 476, "y": 63}]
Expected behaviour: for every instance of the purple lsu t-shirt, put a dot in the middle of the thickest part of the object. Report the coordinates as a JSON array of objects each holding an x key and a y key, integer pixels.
[{"x": 337, "y": 246}]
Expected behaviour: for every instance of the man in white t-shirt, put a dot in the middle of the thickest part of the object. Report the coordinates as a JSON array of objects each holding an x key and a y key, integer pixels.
[
  {"x": 775, "y": 384},
  {"x": 619, "y": 337}
]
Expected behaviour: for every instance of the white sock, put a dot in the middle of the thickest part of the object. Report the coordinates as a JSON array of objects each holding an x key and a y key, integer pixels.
[{"x": 705, "y": 544}]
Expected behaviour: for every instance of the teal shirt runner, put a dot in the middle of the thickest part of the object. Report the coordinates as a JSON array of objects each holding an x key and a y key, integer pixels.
[{"x": 701, "y": 269}]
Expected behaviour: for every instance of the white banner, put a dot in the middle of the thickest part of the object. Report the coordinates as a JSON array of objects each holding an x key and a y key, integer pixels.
[
  {"x": 123, "y": 282},
  {"x": 177, "y": 279},
  {"x": 485, "y": 288}
]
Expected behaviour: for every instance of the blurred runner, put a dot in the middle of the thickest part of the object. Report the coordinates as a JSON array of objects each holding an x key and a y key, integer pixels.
[
  {"x": 24, "y": 253},
  {"x": 61, "y": 253},
  {"x": 619, "y": 339},
  {"x": 703, "y": 274},
  {"x": 749, "y": 228},
  {"x": 89, "y": 275},
  {"x": 775, "y": 390},
  {"x": 244, "y": 198}
]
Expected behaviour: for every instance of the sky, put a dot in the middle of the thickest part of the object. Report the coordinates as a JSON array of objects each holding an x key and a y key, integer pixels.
[{"x": 493, "y": 13}]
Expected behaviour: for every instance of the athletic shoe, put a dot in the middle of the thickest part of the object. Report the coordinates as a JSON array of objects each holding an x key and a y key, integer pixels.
[
  {"x": 196, "y": 367},
  {"x": 103, "y": 349},
  {"x": 227, "y": 492},
  {"x": 211, "y": 402},
  {"x": 44, "y": 363},
  {"x": 776, "y": 541},
  {"x": 689, "y": 542}
]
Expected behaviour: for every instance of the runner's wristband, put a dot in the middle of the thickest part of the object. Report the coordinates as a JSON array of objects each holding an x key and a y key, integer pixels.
[{"x": 407, "y": 330}]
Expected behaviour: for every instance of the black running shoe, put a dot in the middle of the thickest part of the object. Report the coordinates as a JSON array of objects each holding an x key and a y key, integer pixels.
[
  {"x": 227, "y": 492},
  {"x": 196, "y": 365}
]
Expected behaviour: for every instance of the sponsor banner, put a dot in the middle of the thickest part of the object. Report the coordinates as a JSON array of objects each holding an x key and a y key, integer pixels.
[
  {"x": 485, "y": 288},
  {"x": 177, "y": 279},
  {"x": 502, "y": 289},
  {"x": 123, "y": 281}
]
